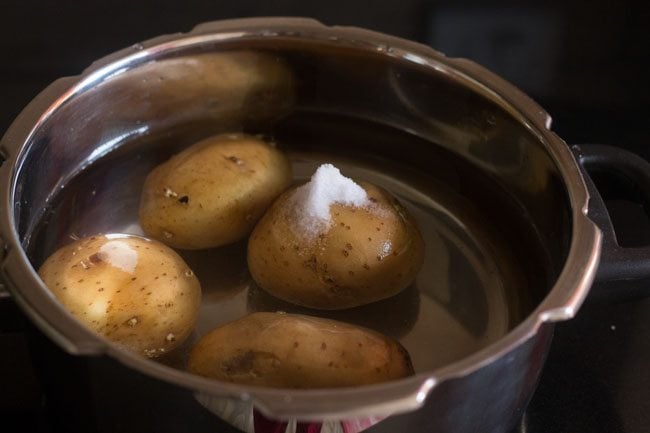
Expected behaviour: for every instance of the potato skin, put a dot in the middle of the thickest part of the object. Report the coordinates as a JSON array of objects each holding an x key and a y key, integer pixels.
[
  {"x": 136, "y": 292},
  {"x": 367, "y": 254},
  {"x": 295, "y": 351},
  {"x": 213, "y": 192},
  {"x": 228, "y": 89}
]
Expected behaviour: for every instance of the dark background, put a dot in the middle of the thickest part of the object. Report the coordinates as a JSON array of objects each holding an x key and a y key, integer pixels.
[{"x": 586, "y": 62}]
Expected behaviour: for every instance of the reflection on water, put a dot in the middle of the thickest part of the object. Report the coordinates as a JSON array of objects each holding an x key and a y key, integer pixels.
[{"x": 463, "y": 303}]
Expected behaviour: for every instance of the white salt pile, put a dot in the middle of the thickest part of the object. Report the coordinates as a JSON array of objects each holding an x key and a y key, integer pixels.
[{"x": 327, "y": 186}]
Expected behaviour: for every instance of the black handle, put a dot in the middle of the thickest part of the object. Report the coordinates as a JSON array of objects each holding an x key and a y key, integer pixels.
[{"x": 617, "y": 262}]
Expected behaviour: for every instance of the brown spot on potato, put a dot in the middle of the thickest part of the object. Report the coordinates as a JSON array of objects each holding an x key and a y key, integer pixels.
[
  {"x": 97, "y": 258},
  {"x": 244, "y": 363},
  {"x": 311, "y": 263},
  {"x": 234, "y": 159}
]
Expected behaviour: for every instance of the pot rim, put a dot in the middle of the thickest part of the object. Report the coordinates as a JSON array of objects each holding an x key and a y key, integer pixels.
[{"x": 561, "y": 303}]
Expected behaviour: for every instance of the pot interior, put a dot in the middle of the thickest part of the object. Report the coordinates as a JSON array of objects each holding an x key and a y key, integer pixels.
[{"x": 488, "y": 197}]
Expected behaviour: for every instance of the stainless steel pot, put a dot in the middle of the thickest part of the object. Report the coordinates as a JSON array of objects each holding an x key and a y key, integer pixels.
[{"x": 515, "y": 186}]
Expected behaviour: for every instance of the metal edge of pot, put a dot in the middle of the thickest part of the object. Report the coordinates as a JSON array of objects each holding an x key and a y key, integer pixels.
[{"x": 561, "y": 303}]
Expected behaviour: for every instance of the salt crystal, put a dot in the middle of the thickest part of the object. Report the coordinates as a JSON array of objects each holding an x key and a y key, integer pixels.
[{"x": 326, "y": 187}]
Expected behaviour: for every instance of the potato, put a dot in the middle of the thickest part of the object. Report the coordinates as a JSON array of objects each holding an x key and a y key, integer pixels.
[
  {"x": 213, "y": 192},
  {"x": 133, "y": 291},
  {"x": 294, "y": 351},
  {"x": 366, "y": 254},
  {"x": 227, "y": 88}
]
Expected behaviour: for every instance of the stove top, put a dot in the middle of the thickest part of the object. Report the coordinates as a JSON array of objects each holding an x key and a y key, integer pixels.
[{"x": 596, "y": 377}]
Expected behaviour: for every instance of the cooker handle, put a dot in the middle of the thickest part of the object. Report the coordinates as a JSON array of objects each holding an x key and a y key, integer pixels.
[{"x": 617, "y": 262}]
